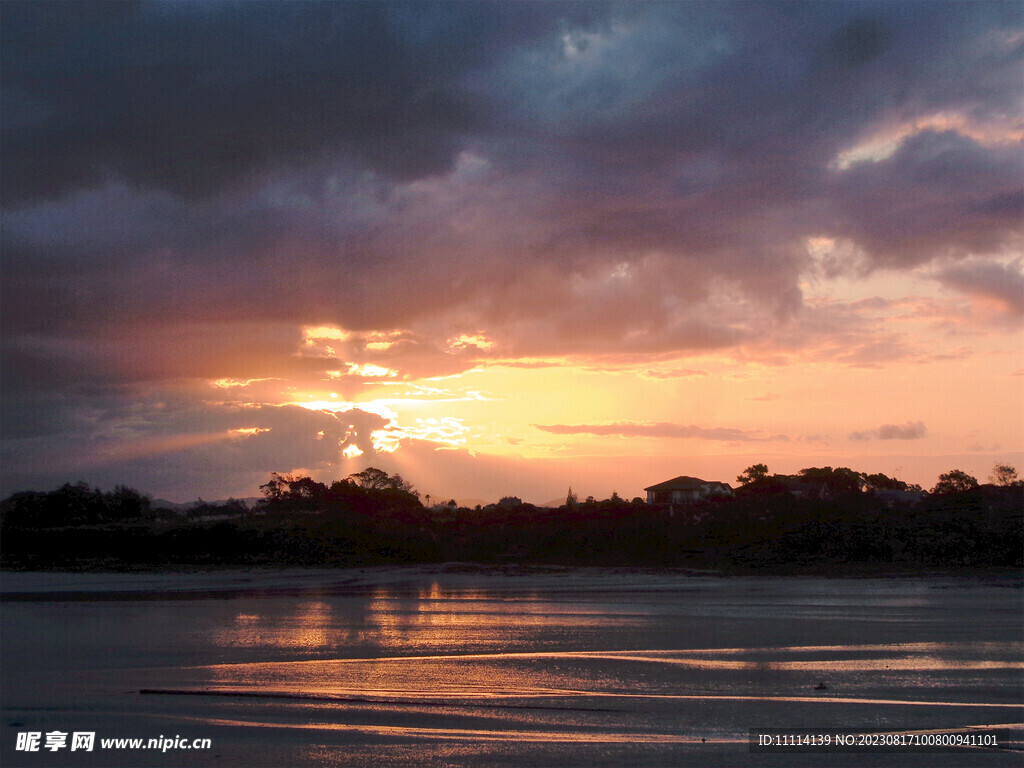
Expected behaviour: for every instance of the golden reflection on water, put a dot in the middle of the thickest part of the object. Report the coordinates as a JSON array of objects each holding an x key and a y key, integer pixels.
[
  {"x": 398, "y": 621},
  {"x": 558, "y": 675},
  {"x": 481, "y": 734},
  {"x": 432, "y": 618},
  {"x": 427, "y": 645},
  {"x": 422, "y": 664},
  {"x": 310, "y": 626},
  {"x": 428, "y": 619}
]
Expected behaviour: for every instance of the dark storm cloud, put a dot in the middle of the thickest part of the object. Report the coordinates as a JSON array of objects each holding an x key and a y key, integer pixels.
[
  {"x": 943, "y": 193},
  {"x": 191, "y": 97},
  {"x": 372, "y": 164}
]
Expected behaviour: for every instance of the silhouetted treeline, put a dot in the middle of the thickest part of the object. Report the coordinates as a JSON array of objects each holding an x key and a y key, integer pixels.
[
  {"x": 76, "y": 504},
  {"x": 374, "y": 518}
]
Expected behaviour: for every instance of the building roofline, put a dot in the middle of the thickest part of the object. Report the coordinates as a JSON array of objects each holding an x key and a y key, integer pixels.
[{"x": 684, "y": 482}]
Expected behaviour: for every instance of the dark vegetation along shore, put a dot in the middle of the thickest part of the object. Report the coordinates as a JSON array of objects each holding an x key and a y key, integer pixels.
[{"x": 823, "y": 520}]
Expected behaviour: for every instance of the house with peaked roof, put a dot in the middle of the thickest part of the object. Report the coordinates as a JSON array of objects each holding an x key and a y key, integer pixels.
[{"x": 683, "y": 489}]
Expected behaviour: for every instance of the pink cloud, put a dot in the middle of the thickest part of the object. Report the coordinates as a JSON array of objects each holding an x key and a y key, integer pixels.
[{"x": 912, "y": 430}]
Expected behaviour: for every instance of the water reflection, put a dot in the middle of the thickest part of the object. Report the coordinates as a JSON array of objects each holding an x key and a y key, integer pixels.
[
  {"x": 480, "y": 734},
  {"x": 309, "y": 627},
  {"x": 462, "y": 648},
  {"x": 613, "y": 662}
]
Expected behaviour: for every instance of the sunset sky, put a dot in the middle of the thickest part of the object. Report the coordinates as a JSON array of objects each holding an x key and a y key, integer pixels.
[{"x": 508, "y": 248}]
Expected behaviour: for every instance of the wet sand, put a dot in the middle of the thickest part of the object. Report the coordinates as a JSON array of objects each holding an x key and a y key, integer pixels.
[{"x": 462, "y": 666}]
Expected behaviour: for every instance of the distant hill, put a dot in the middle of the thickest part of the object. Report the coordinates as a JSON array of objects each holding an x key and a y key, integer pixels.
[
  {"x": 250, "y": 501},
  {"x": 165, "y": 504},
  {"x": 472, "y": 503}
]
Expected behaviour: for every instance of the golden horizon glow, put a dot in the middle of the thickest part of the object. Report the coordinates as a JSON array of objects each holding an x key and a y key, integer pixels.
[
  {"x": 844, "y": 283},
  {"x": 776, "y": 397}
]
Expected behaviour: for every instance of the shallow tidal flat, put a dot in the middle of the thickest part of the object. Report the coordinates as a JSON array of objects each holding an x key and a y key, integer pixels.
[{"x": 477, "y": 667}]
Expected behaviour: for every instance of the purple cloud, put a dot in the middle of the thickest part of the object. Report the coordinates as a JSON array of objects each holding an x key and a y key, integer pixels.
[
  {"x": 912, "y": 430},
  {"x": 1001, "y": 283}
]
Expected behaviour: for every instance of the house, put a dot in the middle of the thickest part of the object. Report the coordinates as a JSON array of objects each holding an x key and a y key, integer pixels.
[
  {"x": 684, "y": 489},
  {"x": 892, "y": 498},
  {"x": 801, "y": 487}
]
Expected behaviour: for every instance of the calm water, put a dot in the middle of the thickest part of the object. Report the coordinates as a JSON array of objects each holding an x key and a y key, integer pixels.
[{"x": 397, "y": 667}]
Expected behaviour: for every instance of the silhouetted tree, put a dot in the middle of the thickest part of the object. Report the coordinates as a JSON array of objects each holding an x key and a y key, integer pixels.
[
  {"x": 954, "y": 481},
  {"x": 274, "y": 489},
  {"x": 234, "y": 506},
  {"x": 76, "y": 504},
  {"x": 231, "y": 507},
  {"x": 880, "y": 482},
  {"x": 753, "y": 473},
  {"x": 288, "y": 491},
  {"x": 342, "y": 489},
  {"x": 375, "y": 479},
  {"x": 839, "y": 481},
  {"x": 1003, "y": 474},
  {"x": 125, "y": 503}
]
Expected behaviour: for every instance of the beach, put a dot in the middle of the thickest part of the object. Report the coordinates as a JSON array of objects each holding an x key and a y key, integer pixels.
[{"x": 466, "y": 666}]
